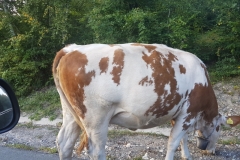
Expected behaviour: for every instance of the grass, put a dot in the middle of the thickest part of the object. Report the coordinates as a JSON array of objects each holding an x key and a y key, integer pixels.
[
  {"x": 29, "y": 148},
  {"x": 238, "y": 127},
  {"x": 43, "y": 103},
  {"x": 49, "y": 150},
  {"x": 28, "y": 125},
  {"x": 231, "y": 141},
  {"x": 117, "y": 133},
  {"x": 21, "y": 146},
  {"x": 114, "y": 158},
  {"x": 224, "y": 128}
]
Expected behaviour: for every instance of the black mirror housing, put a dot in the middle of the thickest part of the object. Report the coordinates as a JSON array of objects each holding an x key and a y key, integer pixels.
[{"x": 9, "y": 115}]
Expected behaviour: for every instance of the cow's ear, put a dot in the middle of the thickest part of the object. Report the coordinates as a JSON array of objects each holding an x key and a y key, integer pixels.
[{"x": 232, "y": 120}]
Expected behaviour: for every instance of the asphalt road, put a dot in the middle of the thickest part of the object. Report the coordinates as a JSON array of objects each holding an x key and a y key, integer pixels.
[{"x": 17, "y": 154}]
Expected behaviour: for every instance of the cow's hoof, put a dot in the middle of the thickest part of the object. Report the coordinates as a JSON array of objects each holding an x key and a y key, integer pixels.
[{"x": 207, "y": 152}]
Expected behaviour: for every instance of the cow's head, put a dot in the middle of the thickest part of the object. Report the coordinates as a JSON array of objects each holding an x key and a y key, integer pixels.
[{"x": 208, "y": 135}]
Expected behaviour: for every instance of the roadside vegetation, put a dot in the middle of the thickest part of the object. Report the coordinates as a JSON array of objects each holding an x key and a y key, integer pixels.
[
  {"x": 42, "y": 103},
  {"x": 230, "y": 141},
  {"x": 33, "y": 31},
  {"x": 21, "y": 146},
  {"x": 119, "y": 133},
  {"x": 30, "y": 148}
]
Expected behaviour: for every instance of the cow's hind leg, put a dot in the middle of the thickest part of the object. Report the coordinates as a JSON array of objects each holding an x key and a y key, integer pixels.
[
  {"x": 97, "y": 136},
  {"x": 67, "y": 136}
]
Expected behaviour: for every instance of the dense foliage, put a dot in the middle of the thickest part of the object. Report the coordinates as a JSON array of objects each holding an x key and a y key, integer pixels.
[{"x": 33, "y": 31}]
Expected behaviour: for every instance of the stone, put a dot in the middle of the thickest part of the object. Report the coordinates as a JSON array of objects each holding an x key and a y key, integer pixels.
[
  {"x": 128, "y": 145},
  {"x": 145, "y": 156}
]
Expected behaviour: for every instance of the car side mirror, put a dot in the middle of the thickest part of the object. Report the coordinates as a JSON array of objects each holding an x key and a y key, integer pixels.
[{"x": 9, "y": 108}]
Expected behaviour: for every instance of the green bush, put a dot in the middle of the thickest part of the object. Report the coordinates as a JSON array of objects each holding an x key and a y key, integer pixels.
[
  {"x": 228, "y": 67},
  {"x": 25, "y": 68}
]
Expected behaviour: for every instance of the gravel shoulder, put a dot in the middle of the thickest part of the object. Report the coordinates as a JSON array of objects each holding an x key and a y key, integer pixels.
[{"x": 123, "y": 144}]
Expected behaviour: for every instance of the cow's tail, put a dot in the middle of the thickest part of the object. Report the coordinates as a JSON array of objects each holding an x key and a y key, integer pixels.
[{"x": 83, "y": 136}]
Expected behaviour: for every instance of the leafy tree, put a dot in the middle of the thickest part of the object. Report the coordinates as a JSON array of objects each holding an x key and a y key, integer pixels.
[
  {"x": 228, "y": 42},
  {"x": 44, "y": 27}
]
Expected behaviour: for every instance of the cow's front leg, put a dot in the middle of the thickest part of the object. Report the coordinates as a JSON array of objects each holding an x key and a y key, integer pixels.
[
  {"x": 184, "y": 145},
  {"x": 177, "y": 134},
  {"x": 173, "y": 143},
  {"x": 184, "y": 148}
]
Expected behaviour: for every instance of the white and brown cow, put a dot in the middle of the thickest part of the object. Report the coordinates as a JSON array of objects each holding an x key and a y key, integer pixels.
[{"x": 136, "y": 86}]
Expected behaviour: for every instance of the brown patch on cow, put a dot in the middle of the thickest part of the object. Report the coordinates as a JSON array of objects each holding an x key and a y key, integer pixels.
[
  {"x": 73, "y": 77},
  {"x": 118, "y": 61},
  {"x": 149, "y": 47},
  {"x": 172, "y": 57},
  {"x": 217, "y": 128},
  {"x": 146, "y": 81},
  {"x": 182, "y": 69},
  {"x": 163, "y": 73},
  {"x": 185, "y": 126},
  {"x": 201, "y": 99},
  {"x": 103, "y": 64},
  {"x": 57, "y": 58}
]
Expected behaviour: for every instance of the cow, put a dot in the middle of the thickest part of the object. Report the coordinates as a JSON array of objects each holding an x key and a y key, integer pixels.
[{"x": 136, "y": 86}]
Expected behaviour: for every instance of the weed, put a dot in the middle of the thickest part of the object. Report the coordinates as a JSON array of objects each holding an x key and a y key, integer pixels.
[
  {"x": 230, "y": 141},
  {"x": 27, "y": 147},
  {"x": 114, "y": 158},
  {"x": 224, "y": 128},
  {"x": 117, "y": 133},
  {"x": 236, "y": 87},
  {"x": 28, "y": 125},
  {"x": 21, "y": 146},
  {"x": 238, "y": 127},
  {"x": 49, "y": 150}
]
